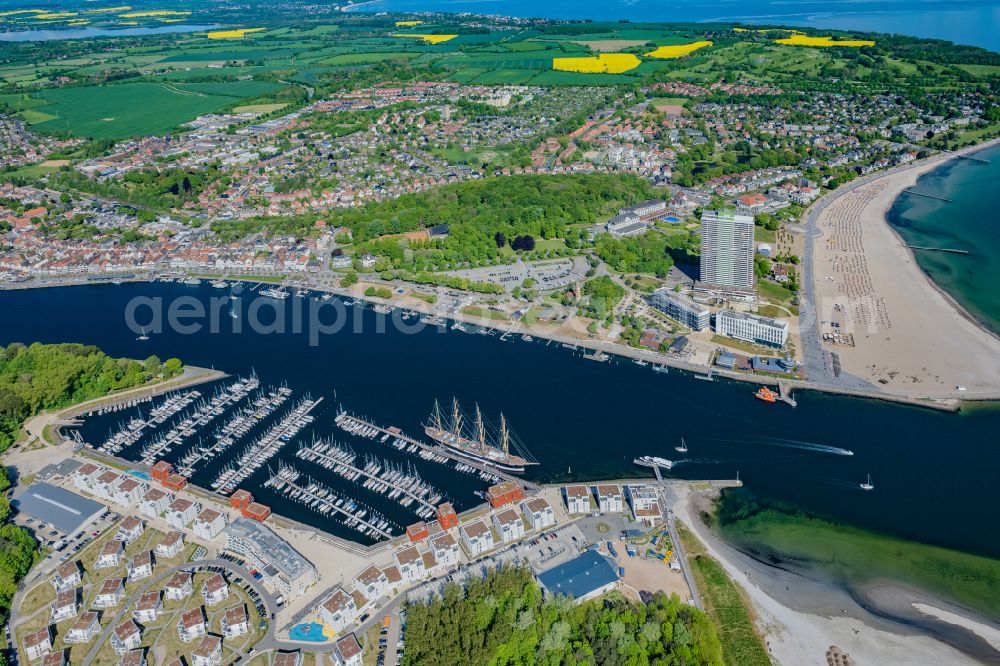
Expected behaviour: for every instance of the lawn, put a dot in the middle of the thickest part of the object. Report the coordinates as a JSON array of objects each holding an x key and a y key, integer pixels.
[
  {"x": 774, "y": 292},
  {"x": 483, "y": 313},
  {"x": 726, "y": 605},
  {"x": 747, "y": 347}
]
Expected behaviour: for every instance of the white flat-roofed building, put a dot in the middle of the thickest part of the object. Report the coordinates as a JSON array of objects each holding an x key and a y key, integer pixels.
[
  {"x": 410, "y": 564},
  {"x": 155, "y": 502},
  {"x": 38, "y": 643},
  {"x": 209, "y": 524},
  {"x": 727, "y": 249},
  {"x": 208, "y": 652},
  {"x": 148, "y": 608},
  {"x": 235, "y": 622},
  {"x": 129, "y": 491},
  {"x": 111, "y": 593},
  {"x": 678, "y": 306},
  {"x": 130, "y": 530},
  {"x": 171, "y": 545},
  {"x": 66, "y": 605},
  {"x": 645, "y": 504},
  {"x": 84, "y": 629},
  {"x": 179, "y": 587},
  {"x": 751, "y": 328},
  {"x": 478, "y": 537},
  {"x": 577, "y": 499},
  {"x": 372, "y": 582},
  {"x": 339, "y": 610},
  {"x": 539, "y": 513},
  {"x": 110, "y": 555},
  {"x": 182, "y": 512},
  {"x": 126, "y": 636},
  {"x": 445, "y": 549},
  {"x": 509, "y": 524},
  {"x": 141, "y": 566},
  {"x": 283, "y": 567},
  {"x": 610, "y": 498}
]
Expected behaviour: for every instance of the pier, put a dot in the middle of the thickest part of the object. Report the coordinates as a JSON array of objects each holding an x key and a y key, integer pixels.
[
  {"x": 438, "y": 450},
  {"x": 928, "y": 196},
  {"x": 938, "y": 249},
  {"x": 973, "y": 158}
]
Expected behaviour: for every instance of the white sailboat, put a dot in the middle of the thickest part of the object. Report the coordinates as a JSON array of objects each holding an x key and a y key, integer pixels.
[
  {"x": 683, "y": 448},
  {"x": 867, "y": 485},
  {"x": 143, "y": 337}
]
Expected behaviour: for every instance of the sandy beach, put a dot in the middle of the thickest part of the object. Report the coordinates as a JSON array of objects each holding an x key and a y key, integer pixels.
[
  {"x": 801, "y": 618},
  {"x": 899, "y": 331}
]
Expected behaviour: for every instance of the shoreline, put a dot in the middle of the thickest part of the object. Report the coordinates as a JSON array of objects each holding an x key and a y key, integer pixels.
[{"x": 861, "y": 272}]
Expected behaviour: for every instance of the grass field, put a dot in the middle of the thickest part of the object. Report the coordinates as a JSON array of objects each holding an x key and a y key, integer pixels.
[
  {"x": 726, "y": 605},
  {"x": 366, "y": 58},
  {"x": 854, "y": 556}
]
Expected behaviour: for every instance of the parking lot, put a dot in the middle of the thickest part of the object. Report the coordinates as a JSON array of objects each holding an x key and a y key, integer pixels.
[{"x": 547, "y": 274}]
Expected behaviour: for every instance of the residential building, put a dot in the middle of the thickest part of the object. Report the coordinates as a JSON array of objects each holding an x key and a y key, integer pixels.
[
  {"x": 68, "y": 575},
  {"x": 179, "y": 587},
  {"x": 339, "y": 610},
  {"x": 610, "y": 498},
  {"x": 208, "y": 652},
  {"x": 209, "y": 524},
  {"x": 85, "y": 476},
  {"x": 111, "y": 593},
  {"x": 148, "y": 608},
  {"x": 287, "y": 659},
  {"x": 446, "y": 516},
  {"x": 445, "y": 549},
  {"x": 66, "y": 605},
  {"x": 417, "y": 532},
  {"x": 477, "y": 536},
  {"x": 56, "y": 659},
  {"x": 136, "y": 657},
  {"x": 110, "y": 555},
  {"x": 539, "y": 513},
  {"x": 182, "y": 512},
  {"x": 84, "y": 629},
  {"x": 504, "y": 493},
  {"x": 191, "y": 624},
  {"x": 283, "y": 567},
  {"x": 235, "y": 622},
  {"x": 372, "y": 582},
  {"x": 129, "y": 491},
  {"x": 141, "y": 566},
  {"x": 645, "y": 504},
  {"x": 106, "y": 483},
  {"x": 130, "y": 530},
  {"x": 37, "y": 644},
  {"x": 126, "y": 636},
  {"x": 751, "y": 328},
  {"x": 678, "y": 306},
  {"x": 577, "y": 499},
  {"x": 348, "y": 652},
  {"x": 410, "y": 564},
  {"x": 727, "y": 249},
  {"x": 155, "y": 502},
  {"x": 509, "y": 525},
  {"x": 171, "y": 545},
  {"x": 215, "y": 590}
]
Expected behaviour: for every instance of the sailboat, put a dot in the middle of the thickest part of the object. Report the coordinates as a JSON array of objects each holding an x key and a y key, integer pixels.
[
  {"x": 683, "y": 448},
  {"x": 867, "y": 485},
  {"x": 232, "y": 307},
  {"x": 478, "y": 440},
  {"x": 143, "y": 337}
]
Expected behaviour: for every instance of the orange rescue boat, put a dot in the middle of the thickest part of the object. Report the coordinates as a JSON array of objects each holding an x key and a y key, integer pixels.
[{"x": 766, "y": 394}]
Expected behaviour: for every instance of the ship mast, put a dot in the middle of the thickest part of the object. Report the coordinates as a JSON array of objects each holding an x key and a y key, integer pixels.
[
  {"x": 456, "y": 418},
  {"x": 504, "y": 439},
  {"x": 437, "y": 416},
  {"x": 480, "y": 428}
]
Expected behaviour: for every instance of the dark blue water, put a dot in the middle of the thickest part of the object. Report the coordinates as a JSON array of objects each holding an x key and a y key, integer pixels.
[
  {"x": 975, "y": 22},
  {"x": 935, "y": 473}
]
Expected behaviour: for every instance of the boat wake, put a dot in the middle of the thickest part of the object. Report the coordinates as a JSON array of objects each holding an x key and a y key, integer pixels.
[{"x": 793, "y": 444}]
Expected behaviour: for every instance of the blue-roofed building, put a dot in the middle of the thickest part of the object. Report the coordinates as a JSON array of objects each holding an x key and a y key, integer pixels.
[
  {"x": 65, "y": 511},
  {"x": 584, "y": 577}
]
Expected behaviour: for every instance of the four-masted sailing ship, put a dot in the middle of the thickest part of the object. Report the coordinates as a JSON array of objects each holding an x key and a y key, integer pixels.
[{"x": 478, "y": 440}]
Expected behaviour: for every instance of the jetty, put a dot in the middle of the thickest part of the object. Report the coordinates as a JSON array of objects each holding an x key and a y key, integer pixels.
[
  {"x": 973, "y": 158},
  {"x": 928, "y": 196},
  {"x": 938, "y": 249}
]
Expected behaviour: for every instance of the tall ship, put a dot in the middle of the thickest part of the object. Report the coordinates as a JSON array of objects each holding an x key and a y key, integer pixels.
[{"x": 477, "y": 439}]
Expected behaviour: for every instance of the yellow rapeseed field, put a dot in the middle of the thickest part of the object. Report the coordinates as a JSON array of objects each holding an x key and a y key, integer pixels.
[
  {"x": 401, "y": 24},
  {"x": 128, "y": 23},
  {"x": 24, "y": 11},
  {"x": 48, "y": 16},
  {"x": 605, "y": 63},
  {"x": 232, "y": 34},
  {"x": 430, "y": 39},
  {"x": 109, "y": 10},
  {"x": 677, "y": 50},
  {"x": 805, "y": 40},
  {"x": 158, "y": 12}
]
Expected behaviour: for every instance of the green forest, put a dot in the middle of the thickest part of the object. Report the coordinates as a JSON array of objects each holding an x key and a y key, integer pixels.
[
  {"x": 503, "y": 619},
  {"x": 39, "y": 377},
  {"x": 650, "y": 253}
]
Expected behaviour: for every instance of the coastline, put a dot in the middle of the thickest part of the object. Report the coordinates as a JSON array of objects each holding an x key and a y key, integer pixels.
[{"x": 909, "y": 335}]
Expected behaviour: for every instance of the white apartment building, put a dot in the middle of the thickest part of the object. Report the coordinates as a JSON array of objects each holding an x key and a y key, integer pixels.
[
  {"x": 751, "y": 328},
  {"x": 727, "y": 249}
]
